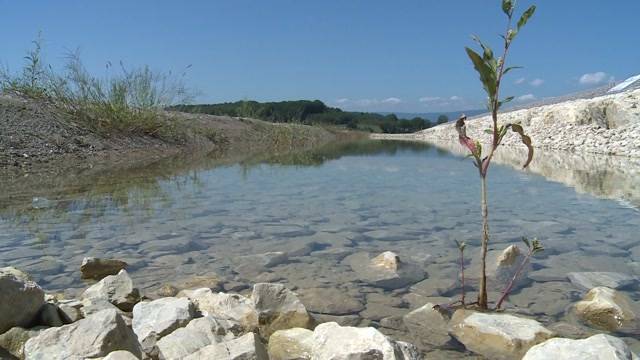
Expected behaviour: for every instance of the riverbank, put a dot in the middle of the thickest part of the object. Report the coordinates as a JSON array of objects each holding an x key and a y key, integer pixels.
[
  {"x": 37, "y": 136},
  {"x": 607, "y": 124}
]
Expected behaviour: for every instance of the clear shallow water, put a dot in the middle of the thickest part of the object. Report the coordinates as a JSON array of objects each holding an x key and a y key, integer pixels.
[{"x": 180, "y": 219}]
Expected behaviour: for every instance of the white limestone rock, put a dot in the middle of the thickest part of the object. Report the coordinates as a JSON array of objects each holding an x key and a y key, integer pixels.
[
  {"x": 116, "y": 289},
  {"x": 246, "y": 347},
  {"x": 291, "y": 344},
  {"x": 428, "y": 326},
  {"x": 197, "y": 334},
  {"x": 497, "y": 336},
  {"x": 233, "y": 307},
  {"x": 154, "y": 319},
  {"x": 596, "y": 347},
  {"x": 334, "y": 342},
  {"x": 94, "y": 336},
  {"x": 278, "y": 308},
  {"x": 20, "y": 299}
]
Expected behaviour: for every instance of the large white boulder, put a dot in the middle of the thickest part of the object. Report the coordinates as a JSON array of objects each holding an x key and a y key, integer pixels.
[
  {"x": 116, "y": 289},
  {"x": 154, "y": 319},
  {"x": 197, "y": 334},
  {"x": 20, "y": 299},
  {"x": 606, "y": 308},
  {"x": 331, "y": 341},
  {"x": 597, "y": 347},
  {"x": 13, "y": 340},
  {"x": 94, "y": 336},
  {"x": 291, "y": 344},
  {"x": 246, "y": 347},
  {"x": 225, "y": 306},
  {"x": 278, "y": 308},
  {"x": 497, "y": 336}
]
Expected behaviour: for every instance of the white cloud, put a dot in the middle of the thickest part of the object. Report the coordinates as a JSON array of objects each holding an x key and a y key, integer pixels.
[
  {"x": 392, "y": 100},
  {"x": 526, "y": 97},
  {"x": 594, "y": 78},
  {"x": 520, "y": 81},
  {"x": 536, "y": 82},
  {"x": 342, "y": 100},
  {"x": 367, "y": 102},
  {"x": 429, "y": 98},
  {"x": 455, "y": 98}
]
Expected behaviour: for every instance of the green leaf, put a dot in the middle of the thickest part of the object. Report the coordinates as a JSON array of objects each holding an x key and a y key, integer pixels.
[
  {"x": 508, "y": 99},
  {"x": 525, "y": 140},
  {"x": 507, "y": 7},
  {"x": 526, "y": 242},
  {"x": 511, "y": 34},
  {"x": 478, "y": 149},
  {"x": 487, "y": 53},
  {"x": 526, "y": 16},
  {"x": 488, "y": 131},
  {"x": 487, "y": 74},
  {"x": 461, "y": 245},
  {"x": 510, "y": 68}
]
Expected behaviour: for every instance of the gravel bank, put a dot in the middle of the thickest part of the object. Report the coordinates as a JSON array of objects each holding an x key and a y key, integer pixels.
[{"x": 603, "y": 125}]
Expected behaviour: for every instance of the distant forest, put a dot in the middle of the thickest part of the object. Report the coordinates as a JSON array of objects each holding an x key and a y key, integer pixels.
[{"x": 314, "y": 113}]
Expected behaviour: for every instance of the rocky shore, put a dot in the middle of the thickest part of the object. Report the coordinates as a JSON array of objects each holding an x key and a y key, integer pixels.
[
  {"x": 112, "y": 319},
  {"x": 607, "y": 124}
]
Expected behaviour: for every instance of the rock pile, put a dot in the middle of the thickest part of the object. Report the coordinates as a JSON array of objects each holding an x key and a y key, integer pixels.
[{"x": 113, "y": 321}]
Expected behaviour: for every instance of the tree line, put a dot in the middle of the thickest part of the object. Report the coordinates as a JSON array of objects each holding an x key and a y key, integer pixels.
[{"x": 313, "y": 112}]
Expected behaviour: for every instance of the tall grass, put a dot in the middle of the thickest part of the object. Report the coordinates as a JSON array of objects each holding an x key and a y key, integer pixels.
[{"x": 124, "y": 101}]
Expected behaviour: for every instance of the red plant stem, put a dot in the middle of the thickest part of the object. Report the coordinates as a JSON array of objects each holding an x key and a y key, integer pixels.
[
  {"x": 462, "y": 274},
  {"x": 509, "y": 287},
  {"x": 482, "y": 294}
]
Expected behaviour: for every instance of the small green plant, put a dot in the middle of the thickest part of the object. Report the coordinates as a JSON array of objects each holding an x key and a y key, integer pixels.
[
  {"x": 32, "y": 82},
  {"x": 491, "y": 71},
  {"x": 533, "y": 247},
  {"x": 461, "y": 246}
]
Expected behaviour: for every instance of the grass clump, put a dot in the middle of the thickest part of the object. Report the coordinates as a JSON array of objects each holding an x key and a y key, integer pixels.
[{"x": 125, "y": 101}]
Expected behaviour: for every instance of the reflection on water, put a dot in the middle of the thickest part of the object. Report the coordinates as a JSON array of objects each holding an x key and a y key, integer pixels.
[
  {"x": 609, "y": 177},
  {"x": 194, "y": 215}
]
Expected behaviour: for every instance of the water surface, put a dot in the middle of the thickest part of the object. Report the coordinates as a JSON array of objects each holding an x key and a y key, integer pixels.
[{"x": 176, "y": 219}]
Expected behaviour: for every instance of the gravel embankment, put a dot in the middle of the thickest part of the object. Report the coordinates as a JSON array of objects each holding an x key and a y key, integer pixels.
[{"x": 607, "y": 124}]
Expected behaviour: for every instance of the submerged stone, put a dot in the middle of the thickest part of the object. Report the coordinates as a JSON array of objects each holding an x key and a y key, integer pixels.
[
  {"x": 606, "y": 308},
  {"x": 613, "y": 280}
]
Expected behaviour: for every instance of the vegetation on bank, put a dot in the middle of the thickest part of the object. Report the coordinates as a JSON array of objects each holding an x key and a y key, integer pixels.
[
  {"x": 313, "y": 113},
  {"x": 129, "y": 101}
]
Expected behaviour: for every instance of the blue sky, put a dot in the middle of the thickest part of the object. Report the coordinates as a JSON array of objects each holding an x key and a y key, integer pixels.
[{"x": 359, "y": 55}]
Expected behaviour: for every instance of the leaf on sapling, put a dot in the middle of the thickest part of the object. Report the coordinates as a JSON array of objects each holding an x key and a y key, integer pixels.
[
  {"x": 507, "y": 7},
  {"x": 487, "y": 74},
  {"x": 526, "y": 242},
  {"x": 526, "y": 16},
  {"x": 461, "y": 245},
  {"x": 510, "y": 68},
  {"x": 463, "y": 138},
  {"x": 487, "y": 53},
  {"x": 525, "y": 140},
  {"x": 488, "y": 131}
]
